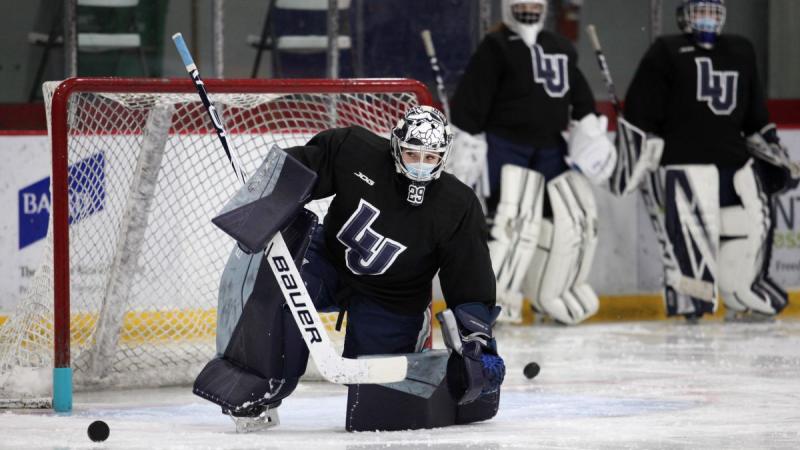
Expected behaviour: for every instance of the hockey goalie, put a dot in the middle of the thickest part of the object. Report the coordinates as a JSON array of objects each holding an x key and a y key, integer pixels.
[
  {"x": 395, "y": 221},
  {"x": 520, "y": 90},
  {"x": 713, "y": 197}
]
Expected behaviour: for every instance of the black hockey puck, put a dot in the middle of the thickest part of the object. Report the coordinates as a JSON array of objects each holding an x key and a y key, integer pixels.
[
  {"x": 98, "y": 431},
  {"x": 531, "y": 370}
]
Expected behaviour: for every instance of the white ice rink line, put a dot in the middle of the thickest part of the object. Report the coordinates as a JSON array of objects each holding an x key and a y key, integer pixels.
[{"x": 655, "y": 385}]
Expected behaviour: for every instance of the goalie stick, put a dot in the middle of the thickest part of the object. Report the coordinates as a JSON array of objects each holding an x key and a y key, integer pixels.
[
  {"x": 651, "y": 189},
  {"x": 482, "y": 186},
  {"x": 331, "y": 365},
  {"x": 601, "y": 61},
  {"x": 427, "y": 40}
]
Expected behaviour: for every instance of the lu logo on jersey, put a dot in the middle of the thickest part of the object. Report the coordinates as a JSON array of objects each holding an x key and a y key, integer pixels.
[
  {"x": 550, "y": 71},
  {"x": 368, "y": 252},
  {"x": 716, "y": 87}
]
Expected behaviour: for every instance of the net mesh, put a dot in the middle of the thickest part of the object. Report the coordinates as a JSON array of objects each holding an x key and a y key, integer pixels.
[{"x": 144, "y": 258}]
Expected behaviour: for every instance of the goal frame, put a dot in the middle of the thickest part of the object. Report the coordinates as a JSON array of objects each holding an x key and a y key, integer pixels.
[{"x": 62, "y": 376}]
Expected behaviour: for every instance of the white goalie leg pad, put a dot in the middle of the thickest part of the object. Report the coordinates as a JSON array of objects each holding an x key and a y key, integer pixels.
[
  {"x": 692, "y": 227},
  {"x": 742, "y": 251},
  {"x": 637, "y": 155},
  {"x": 515, "y": 234},
  {"x": 557, "y": 279}
]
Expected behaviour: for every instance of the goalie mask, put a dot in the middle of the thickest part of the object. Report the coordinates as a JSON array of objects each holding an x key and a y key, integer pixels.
[
  {"x": 421, "y": 142},
  {"x": 525, "y": 17},
  {"x": 703, "y": 19}
]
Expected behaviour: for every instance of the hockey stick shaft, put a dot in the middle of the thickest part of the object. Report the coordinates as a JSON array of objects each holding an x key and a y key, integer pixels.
[
  {"x": 649, "y": 188},
  {"x": 332, "y": 367},
  {"x": 437, "y": 71},
  {"x": 601, "y": 61},
  {"x": 188, "y": 62}
]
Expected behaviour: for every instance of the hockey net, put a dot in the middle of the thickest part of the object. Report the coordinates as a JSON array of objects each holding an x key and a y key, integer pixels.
[{"x": 127, "y": 291}]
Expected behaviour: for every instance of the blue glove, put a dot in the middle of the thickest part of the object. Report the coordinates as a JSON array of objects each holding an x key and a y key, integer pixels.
[{"x": 477, "y": 369}]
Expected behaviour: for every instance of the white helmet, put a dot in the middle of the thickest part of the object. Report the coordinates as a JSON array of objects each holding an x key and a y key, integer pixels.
[
  {"x": 421, "y": 143},
  {"x": 525, "y": 23}
]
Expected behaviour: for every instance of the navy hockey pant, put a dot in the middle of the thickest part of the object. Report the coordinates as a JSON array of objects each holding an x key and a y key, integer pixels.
[
  {"x": 548, "y": 161},
  {"x": 371, "y": 328}
]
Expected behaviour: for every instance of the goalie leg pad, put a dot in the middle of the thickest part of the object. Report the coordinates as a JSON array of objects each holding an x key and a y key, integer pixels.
[
  {"x": 691, "y": 217},
  {"x": 743, "y": 252},
  {"x": 556, "y": 281},
  {"x": 500, "y": 154},
  {"x": 514, "y": 233},
  {"x": 265, "y": 355},
  {"x": 423, "y": 400},
  {"x": 270, "y": 200}
]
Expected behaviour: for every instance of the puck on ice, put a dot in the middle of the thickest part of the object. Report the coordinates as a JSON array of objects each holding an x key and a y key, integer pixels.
[
  {"x": 531, "y": 370},
  {"x": 98, "y": 431}
]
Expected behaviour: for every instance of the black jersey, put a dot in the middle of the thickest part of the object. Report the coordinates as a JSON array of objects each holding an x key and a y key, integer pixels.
[
  {"x": 700, "y": 101},
  {"x": 380, "y": 244},
  {"x": 520, "y": 93}
]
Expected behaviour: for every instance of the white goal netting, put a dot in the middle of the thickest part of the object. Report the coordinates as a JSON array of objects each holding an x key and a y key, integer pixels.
[{"x": 145, "y": 176}]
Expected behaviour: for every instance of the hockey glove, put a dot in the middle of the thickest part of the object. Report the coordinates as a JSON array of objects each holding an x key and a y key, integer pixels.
[
  {"x": 475, "y": 368},
  {"x": 590, "y": 151},
  {"x": 779, "y": 173}
]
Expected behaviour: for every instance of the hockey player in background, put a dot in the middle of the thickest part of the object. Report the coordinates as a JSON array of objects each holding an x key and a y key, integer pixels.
[
  {"x": 721, "y": 167},
  {"x": 520, "y": 90},
  {"x": 395, "y": 221}
]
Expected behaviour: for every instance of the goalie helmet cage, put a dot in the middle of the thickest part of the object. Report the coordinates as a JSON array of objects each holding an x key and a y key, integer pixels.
[{"x": 126, "y": 294}]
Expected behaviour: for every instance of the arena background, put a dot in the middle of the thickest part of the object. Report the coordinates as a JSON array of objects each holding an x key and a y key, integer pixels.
[{"x": 386, "y": 43}]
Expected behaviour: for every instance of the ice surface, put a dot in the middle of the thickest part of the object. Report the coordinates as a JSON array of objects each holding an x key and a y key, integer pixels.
[{"x": 656, "y": 385}]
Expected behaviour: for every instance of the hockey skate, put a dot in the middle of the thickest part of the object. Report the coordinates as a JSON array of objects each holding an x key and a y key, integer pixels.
[{"x": 255, "y": 421}]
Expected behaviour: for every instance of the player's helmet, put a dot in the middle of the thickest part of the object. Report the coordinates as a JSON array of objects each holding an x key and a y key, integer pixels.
[
  {"x": 703, "y": 19},
  {"x": 525, "y": 17},
  {"x": 421, "y": 143}
]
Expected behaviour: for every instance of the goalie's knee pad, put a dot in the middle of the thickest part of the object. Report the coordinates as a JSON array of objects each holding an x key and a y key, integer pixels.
[
  {"x": 556, "y": 281},
  {"x": 515, "y": 233},
  {"x": 691, "y": 218},
  {"x": 743, "y": 253},
  {"x": 425, "y": 399}
]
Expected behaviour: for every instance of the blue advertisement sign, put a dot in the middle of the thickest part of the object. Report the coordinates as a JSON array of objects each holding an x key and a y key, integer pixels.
[{"x": 87, "y": 194}]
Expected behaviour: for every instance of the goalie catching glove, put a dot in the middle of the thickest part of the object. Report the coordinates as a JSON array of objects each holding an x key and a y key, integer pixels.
[
  {"x": 590, "y": 151},
  {"x": 782, "y": 174},
  {"x": 475, "y": 369}
]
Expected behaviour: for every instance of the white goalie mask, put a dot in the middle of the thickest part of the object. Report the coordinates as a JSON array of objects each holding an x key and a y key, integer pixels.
[
  {"x": 525, "y": 17},
  {"x": 421, "y": 143}
]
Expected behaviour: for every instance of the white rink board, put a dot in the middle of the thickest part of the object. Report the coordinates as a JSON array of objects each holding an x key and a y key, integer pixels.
[
  {"x": 24, "y": 160},
  {"x": 627, "y": 246}
]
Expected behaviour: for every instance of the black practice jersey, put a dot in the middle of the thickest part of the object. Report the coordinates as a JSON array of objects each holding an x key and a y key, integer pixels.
[
  {"x": 700, "y": 101},
  {"x": 380, "y": 244},
  {"x": 520, "y": 93}
]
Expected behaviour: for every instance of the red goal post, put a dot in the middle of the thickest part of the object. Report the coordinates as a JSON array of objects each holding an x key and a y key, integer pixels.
[{"x": 112, "y": 117}]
